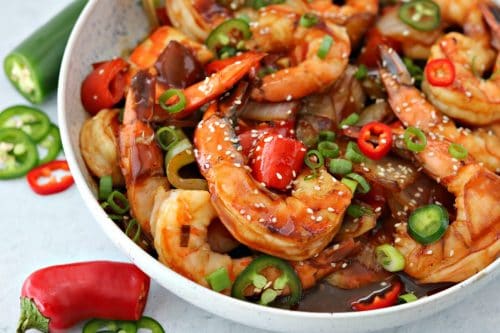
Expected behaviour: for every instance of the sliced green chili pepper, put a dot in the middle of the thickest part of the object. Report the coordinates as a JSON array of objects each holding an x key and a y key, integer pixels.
[
  {"x": 32, "y": 121},
  {"x": 180, "y": 155},
  {"x": 52, "y": 144},
  {"x": 428, "y": 224},
  {"x": 390, "y": 258},
  {"x": 18, "y": 153},
  {"x": 33, "y": 66},
  {"x": 340, "y": 166},
  {"x": 329, "y": 149},
  {"x": 176, "y": 107},
  {"x": 353, "y": 153},
  {"x": 105, "y": 187},
  {"x": 100, "y": 325},
  {"x": 325, "y": 47},
  {"x": 314, "y": 164},
  {"x": 149, "y": 323},
  {"x": 458, "y": 151},
  {"x": 422, "y": 15},
  {"x": 412, "y": 133},
  {"x": 228, "y": 33},
  {"x": 118, "y": 202},
  {"x": 252, "y": 277},
  {"x": 219, "y": 279}
]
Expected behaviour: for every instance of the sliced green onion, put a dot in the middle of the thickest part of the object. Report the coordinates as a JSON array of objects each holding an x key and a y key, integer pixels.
[
  {"x": 325, "y": 46},
  {"x": 428, "y": 224},
  {"x": 308, "y": 20},
  {"x": 364, "y": 185},
  {"x": 130, "y": 227},
  {"x": 174, "y": 108},
  {"x": 390, "y": 258},
  {"x": 353, "y": 153},
  {"x": 339, "y": 166},
  {"x": 351, "y": 184},
  {"x": 415, "y": 71},
  {"x": 118, "y": 202},
  {"x": 458, "y": 151},
  {"x": 317, "y": 162},
  {"x": 407, "y": 298},
  {"x": 358, "y": 211},
  {"x": 219, "y": 279},
  {"x": 361, "y": 73},
  {"x": 412, "y": 133},
  {"x": 327, "y": 136},
  {"x": 167, "y": 137},
  {"x": 105, "y": 187},
  {"x": 329, "y": 149},
  {"x": 351, "y": 120}
]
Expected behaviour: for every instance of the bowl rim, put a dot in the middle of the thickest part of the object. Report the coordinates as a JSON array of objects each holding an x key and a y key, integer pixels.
[{"x": 153, "y": 267}]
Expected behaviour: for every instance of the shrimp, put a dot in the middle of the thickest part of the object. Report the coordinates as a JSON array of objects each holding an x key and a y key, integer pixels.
[
  {"x": 146, "y": 54},
  {"x": 355, "y": 15},
  {"x": 472, "y": 241},
  {"x": 179, "y": 223},
  {"x": 470, "y": 98},
  {"x": 293, "y": 227},
  {"x": 141, "y": 160},
  {"x": 483, "y": 143},
  {"x": 99, "y": 145},
  {"x": 196, "y": 18},
  {"x": 278, "y": 30}
]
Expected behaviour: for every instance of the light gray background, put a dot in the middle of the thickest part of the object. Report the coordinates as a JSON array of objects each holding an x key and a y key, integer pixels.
[{"x": 40, "y": 231}]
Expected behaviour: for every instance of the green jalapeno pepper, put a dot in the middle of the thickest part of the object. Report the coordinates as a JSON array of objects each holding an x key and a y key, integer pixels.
[
  {"x": 52, "y": 144},
  {"x": 428, "y": 224},
  {"x": 18, "y": 153},
  {"x": 422, "y": 15},
  {"x": 252, "y": 277},
  {"x": 228, "y": 33},
  {"x": 32, "y": 121}
]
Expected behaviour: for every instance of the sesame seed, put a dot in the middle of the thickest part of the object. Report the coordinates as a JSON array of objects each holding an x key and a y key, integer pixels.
[
  {"x": 309, "y": 211},
  {"x": 429, "y": 252},
  {"x": 344, "y": 265},
  {"x": 452, "y": 252},
  {"x": 336, "y": 247},
  {"x": 279, "y": 176}
]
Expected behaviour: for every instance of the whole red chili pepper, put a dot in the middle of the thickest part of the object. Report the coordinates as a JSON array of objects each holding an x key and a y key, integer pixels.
[{"x": 56, "y": 298}]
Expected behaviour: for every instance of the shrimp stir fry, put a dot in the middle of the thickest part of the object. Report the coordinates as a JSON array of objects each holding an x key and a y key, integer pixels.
[{"x": 271, "y": 147}]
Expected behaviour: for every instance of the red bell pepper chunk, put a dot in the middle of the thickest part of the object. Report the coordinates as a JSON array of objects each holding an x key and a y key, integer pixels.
[
  {"x": 53, "y": 184},
  {"x": 383, "y": 299},
  {"x": 440, "y": 72},
  {"x": 381, "y": 134},
  {"x": 370, "y": 54},
  {"x": 104, "y": 86},
  {"x": 56, "y": 298},
  {"x": 277, "y": 160},
  {"x": 250, "y": 137}
]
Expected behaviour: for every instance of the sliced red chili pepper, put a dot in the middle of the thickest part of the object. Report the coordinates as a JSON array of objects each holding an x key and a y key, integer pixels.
[
  {"x": 55, "y": 298},
  {"x": 370, "y": 55},
  {"x": 104, "y": 86},
  {"x": 250, "y": 136},
  {"x": 375, "y": 132},
  {"x": 219, "y": 64},
  {"x": 53, "y": 184},
  {"x": 440, "y": 72},
  {"x": 379, "y": 300},
  {"x": 277, "y": 160}
]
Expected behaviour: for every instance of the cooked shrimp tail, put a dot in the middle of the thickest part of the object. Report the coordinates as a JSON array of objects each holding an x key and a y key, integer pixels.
[
  {"x": 491, "y": 14},
  {"x": 141, "y": 159}
]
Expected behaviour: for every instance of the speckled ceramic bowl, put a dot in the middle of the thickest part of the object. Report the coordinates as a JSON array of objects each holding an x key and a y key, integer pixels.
[{"x": 110, "y": 28}]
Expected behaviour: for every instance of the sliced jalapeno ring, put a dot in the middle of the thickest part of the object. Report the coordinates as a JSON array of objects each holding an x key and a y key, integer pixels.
[
  {"x": 224, "y": 34},
  {"x": 101, "y": 325},
  {"x": 428, "y": 224},
  {"x": 149, "y": 323},
  {"x": 52, "y": 144},
  {"x": 31, "y": 121},
  {"x": 18, "y": 153},
  {"x": 422, "y": 15},
  {"x": 252, "y": 276}
]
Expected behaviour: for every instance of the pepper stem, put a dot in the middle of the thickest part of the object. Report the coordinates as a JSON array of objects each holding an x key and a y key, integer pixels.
[{"x": 31, "y": 317}]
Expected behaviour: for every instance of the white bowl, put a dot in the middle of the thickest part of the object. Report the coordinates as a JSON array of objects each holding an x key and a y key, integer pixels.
[{"x": 107, "y": 29}]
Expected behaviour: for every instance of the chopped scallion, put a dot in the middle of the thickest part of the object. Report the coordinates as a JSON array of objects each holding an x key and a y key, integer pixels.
[
  {"x": 314, "y": 159},
  {"x": 412, "y": 133},
  {"x": 340, "y": 166},
  {"x": 390, "y": 258},
  {"x": 325, "y": 46},
  {"x": 458, "y": 151},
  {"x": 176, "y": 107},
  {"x": 329, "y": 149},
  {"x": 105, "y": 187},
  {"x": 219, "y": 279}
]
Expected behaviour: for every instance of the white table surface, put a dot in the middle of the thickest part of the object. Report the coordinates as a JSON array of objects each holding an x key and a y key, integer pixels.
[{"x": 40, "y": 231}]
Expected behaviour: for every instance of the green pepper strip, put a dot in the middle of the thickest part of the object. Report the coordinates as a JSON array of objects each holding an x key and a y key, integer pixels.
[
  {"x": 52, "y": 143},
  {"x": 410, "y": 134},
  {"x": 173, "y": 108},
  {"x": 179, "y": 156},
  {"x": 32, "y": 121},
  {"x": 98, "y": 325},
  {"x": 252, "y": 276},
  {"x": 18, "y": 154},
  {"x": 390, "y": 258},
  {"x": 422, "y": 15},
  {"x": 428, "y": 224},
  {"x": 221, "y": 35}
]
